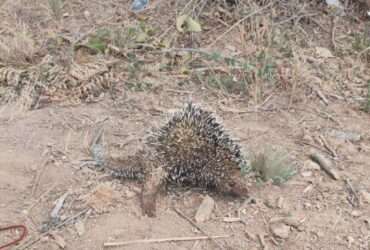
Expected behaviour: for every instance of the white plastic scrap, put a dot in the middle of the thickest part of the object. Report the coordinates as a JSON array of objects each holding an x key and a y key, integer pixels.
[
  {"x": 138, "y": 5},
  {"x": 336, "y": 5}
]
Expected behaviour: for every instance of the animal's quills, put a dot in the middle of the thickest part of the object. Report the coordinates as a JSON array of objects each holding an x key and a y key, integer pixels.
[{"x": 191, "y": 149}]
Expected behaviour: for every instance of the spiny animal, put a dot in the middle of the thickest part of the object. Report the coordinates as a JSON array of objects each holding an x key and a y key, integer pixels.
[{"x": 191, "y": 149}]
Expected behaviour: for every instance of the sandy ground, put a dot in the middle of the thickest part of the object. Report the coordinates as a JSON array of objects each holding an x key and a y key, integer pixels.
[
  {"x": 43, "y": 151},
  {"x": 41, "y": 159}
]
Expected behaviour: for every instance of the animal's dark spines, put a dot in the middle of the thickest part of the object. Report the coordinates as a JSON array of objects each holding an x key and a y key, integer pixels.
[
  {"x": 133, "y": 167},
  {"x": 196, "y": 149}
]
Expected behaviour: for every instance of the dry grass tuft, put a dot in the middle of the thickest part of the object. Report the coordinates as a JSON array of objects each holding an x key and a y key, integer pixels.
[
  {"x": 17, "y": 46},
  {"x": 367, "y": 107},
  {"x": 274, "y": 165},
  {"x": 56, "y": 8}
]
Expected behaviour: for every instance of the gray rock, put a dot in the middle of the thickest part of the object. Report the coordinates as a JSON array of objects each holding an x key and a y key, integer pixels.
[{"x": 205, "y": 209}]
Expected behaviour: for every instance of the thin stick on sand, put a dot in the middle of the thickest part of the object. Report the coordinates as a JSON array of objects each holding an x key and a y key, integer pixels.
[
  {"x": 125, "y": 243},
  {"x": 196, "y": 226}
]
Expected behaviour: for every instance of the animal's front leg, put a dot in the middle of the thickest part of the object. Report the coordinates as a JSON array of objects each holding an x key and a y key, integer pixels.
[{"x": 151, "y": 186}]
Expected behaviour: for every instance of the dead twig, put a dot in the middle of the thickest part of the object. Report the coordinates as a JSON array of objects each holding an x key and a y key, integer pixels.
[
  {"x": 353, "y": 199},
  {"x": 32, "y": 242},
  {"x": 196, "y": 226},
  {"x": 262, "y": 241},
  {"x": 125, "y": 243},
  {"x": 59, "y": 204},
  {"x": 314, "y": 146},
  {"x": 321, "y": 96},
  {"x": 325, "y": 115},
  {"x": 39, "y": 175},
  {"x": 325, "y": 164},
  {"x": 179, "y": 91},
  {"x": 255, "y": 109},
  {"x": 333, "y": 33},
  {"x": 239, "y": 22},
  {"x": 42, "y": 196},
  {"x": 232, "y": 219},
  {"x": 318, "y": 24},
  {"x": 362, "y": 52},
  {"x": 296, "y": 17},
  {"x": 328, "y": 147}
]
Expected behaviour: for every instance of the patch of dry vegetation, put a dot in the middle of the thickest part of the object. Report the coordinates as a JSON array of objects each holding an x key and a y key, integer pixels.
[
  {"x": 17, "y": 46},
  {"x": 274, "y": 165},
  {"x": 249, "y": 49},
  {"x": 262, "y": 56}
]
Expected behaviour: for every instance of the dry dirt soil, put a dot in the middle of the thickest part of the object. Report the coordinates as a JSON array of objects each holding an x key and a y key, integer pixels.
[{"x": 43, "y": 155}]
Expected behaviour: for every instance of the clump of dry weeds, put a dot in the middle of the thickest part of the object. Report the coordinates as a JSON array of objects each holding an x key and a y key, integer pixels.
[
  {"x": 17, "y": 47},
  {"x": 248, "y": 48},
  {"x": 273, "y": 164}
]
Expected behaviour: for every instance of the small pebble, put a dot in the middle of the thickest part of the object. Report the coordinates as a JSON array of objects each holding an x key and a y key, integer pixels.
[
  {"x": 86, "y": 14},
  {"x": 250, "y": 235},
  {"x": 80, "y": 228},
  {"x": 365, "y": 196},
  {"x": 59, "y": 240},
  {"x": 310, "y": 165},
  {"x": 280, "y": 230},
  {"x": 205, "y": 209},
  {"x": 280, "y": 202},
  {"x": 129, "y": 194},
  {"x": 356, "y": 213},
  {"x": 306, "y": 174}
]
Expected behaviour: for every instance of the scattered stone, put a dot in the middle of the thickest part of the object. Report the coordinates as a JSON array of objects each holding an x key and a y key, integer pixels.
[
  {"x": 365, "y": 196},
  {"x": 325, "y": 165},
  {"x": 261, "y": 239},
  {"x": 280, "y": 230},
  {"x": 323, "y": 52},
  {"x": 319, "y": 234},
  {"x": 243, "y": 211},
  {"x": 356, "y": 213},
  {"x": 205, "y": 209},
  {"x": 59, "y": 240},
  {"x": 232, "y": 219},
  {"x": 80, "y": 228},
  {"x": 280, "y": 202},
  {"x": 307, "y": 205},
  {"x": 250, "y": 235},
  {"x": 345, "y": 135},
  {"x": 308, "y": 188},
  {"x": 129, "y": 194},
  {"x": 350, "y": 241},
  {"x": 306, "y": 174},
  {"x": 273, "y": 203},
  {"x": 45, "y": 238},
  {"x": 135, "y": 189},
  {"x": 87, "y": 14},
  {"x": 138, "y": 5},
  {"x": 310, "y": 165},
  {"x": 291, "y": 221},
  {"x": 367, "y": 222},
  {"x": 294, "y": 222},
  {"x": 58, "y": 205},
  {"x": 63, "y": 217},
  {"x": 270, "y": 202}
]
